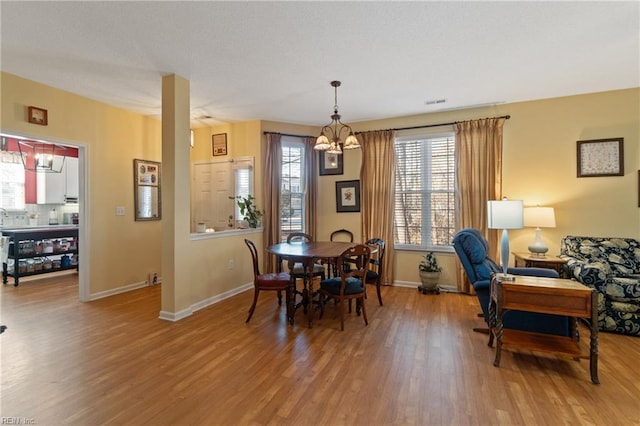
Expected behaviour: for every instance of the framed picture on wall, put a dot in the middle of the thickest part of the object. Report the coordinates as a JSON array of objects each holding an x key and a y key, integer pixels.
[
  {"x": 146, "y": 190},
  {"x": 330, "y": 164},
  {"x": 348, "y": 196},
  {"x": 601, "y": 157},
  {"x": 219, "y": 144}
]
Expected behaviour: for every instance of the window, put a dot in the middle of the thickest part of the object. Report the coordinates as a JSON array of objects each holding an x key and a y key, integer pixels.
[
  {"x": 12, "y": 180},
  {"x": 243, "y": 181},
  {"x": 216, "y": 186},
  {"x": 292, "y": 184},
  {"x": 424, "y": 211}
]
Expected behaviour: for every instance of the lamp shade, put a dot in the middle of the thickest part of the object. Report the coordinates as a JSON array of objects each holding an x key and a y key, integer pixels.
[
  {"x": 539, "y": 217},
  {"x": 505, "y": 214}
]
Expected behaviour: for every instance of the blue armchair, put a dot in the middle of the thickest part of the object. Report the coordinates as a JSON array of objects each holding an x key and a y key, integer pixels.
[{"x": 472, "y": 248}]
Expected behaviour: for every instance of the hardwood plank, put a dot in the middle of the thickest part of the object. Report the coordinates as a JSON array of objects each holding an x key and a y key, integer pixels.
[{"x": 113, "y": 362}]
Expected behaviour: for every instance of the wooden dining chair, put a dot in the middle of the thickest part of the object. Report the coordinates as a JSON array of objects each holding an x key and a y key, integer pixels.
[
  {"x": 349, "y": 285},
  {"x": 318, "y": 269},
  {"x": 298, "y": 269},
  {"x": 268, "y": 282},
  {"x": 374, "y": 273},
  {"x": 338, "y": 235},
  {"x": 342, "y": 235}
]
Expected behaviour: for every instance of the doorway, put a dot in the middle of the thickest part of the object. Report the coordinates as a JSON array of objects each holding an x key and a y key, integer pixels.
[{"x": 83, "y": 242}]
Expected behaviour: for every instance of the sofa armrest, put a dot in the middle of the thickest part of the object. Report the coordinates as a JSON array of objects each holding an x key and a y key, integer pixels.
[{"x": 593, "y": 275}]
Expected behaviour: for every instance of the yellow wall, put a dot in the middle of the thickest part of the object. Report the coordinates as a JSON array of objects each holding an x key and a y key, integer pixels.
[
  {"x": 539, "y": 167},
  {"x": 123, "y": 251}
]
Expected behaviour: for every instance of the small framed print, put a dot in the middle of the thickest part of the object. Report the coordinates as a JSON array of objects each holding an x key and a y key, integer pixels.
[
  {"x": 601, "y": 157},
  {"x": 330, "y": 164},
  {"x": 348, "y": 196},
  {"x": 219, "y": 144},
  {"x": 37, "y": 116}
]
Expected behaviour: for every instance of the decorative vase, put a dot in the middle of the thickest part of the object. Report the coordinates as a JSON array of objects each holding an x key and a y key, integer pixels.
[{"x": 429, "y": 282}]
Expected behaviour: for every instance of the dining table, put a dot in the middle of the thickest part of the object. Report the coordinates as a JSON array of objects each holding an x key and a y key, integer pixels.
[{"x": 306, "y": 253}]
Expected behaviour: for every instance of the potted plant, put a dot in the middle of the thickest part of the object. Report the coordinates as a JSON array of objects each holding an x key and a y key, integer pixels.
[
  {"x": 248, "y": 210},
  {"x": 429, "y": 274}
]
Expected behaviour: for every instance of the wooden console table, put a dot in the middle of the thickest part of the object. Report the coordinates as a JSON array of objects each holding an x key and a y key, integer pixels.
[{"x": 550, "y": 296}]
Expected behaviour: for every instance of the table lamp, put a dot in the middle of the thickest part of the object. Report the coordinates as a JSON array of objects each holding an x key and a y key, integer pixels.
[
  {"x": 505, "y": 214},
  {"x": 539, "y": 217}
]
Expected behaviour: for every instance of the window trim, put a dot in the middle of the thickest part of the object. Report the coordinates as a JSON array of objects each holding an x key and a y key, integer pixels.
[
  {"x": 295, "y": 142},
  {"x": 416, "y": 134}
]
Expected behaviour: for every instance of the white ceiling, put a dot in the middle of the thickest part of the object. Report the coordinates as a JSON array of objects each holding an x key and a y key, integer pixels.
[{"x": 274, "y": 60}]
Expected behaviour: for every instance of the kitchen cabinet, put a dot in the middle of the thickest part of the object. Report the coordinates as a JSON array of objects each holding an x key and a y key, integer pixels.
[
  {"x": 72, "y": 180},
  {"x": 59, "y": 188},
  {"x": 34, "y": 251}
]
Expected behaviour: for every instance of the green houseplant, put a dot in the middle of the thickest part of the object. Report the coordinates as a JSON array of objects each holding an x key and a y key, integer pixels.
[
  {"x": 429, "y": 271},
  {"x": 251, "y": 214}
]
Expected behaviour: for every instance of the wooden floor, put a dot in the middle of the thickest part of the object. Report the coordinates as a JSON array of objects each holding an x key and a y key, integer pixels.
[{"x": 114, "y": 362}]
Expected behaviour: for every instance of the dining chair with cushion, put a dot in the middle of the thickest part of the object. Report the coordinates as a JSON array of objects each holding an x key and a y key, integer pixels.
[
  {"x": 374, "y": 273},
  {"x": 279, "y": 282},
  {"x": 349, "y": 285},
  {"x": 343, "y": 235},
  {"x": 298, "y": 269}
]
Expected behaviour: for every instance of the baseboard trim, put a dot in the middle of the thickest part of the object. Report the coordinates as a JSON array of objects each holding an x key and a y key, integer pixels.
[
  {"x": 114, "y": 291},
  {"x": 174, "y": 316},
  {"x": 177, "y": 316},
  {"x": 414, "y": 285}
]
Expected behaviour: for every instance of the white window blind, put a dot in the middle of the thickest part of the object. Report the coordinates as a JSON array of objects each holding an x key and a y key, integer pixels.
[{"x": 424, "y": 211}]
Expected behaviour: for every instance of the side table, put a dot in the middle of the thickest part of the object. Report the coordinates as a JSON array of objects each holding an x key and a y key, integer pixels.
[
  {"x": 550, "y": 262},
  {"x": 548, "y": 296}
]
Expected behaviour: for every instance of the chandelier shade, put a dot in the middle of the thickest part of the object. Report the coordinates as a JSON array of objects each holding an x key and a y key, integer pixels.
[{"x": 330, "y": 138}]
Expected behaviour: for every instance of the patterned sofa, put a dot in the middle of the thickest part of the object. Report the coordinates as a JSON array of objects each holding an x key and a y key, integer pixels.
[{"x": 612, "y": 267}]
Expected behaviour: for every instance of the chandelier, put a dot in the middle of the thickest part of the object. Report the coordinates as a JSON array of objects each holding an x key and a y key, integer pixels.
[
  {"x": 329, "y": 139},
  {"x": 42, "y": 157}
]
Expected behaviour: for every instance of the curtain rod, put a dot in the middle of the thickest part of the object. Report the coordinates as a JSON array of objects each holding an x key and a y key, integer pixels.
[
  {"x": 506, "y": 117},
  {"x": 287, "y": 134}
]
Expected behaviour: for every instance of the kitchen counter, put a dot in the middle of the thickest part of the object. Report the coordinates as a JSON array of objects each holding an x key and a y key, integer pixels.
[
  {"x": 36, "y": 228},
  {"x": 31, "y": 236}
]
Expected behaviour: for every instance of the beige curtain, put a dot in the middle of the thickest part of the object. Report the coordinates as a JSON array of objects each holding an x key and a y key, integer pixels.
[
  {"x": 271, "y": 220},
  {"x": 311, "y": 187},
  {"x": 479, "y": 179},
  {"x": 377, "y": 187}
]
